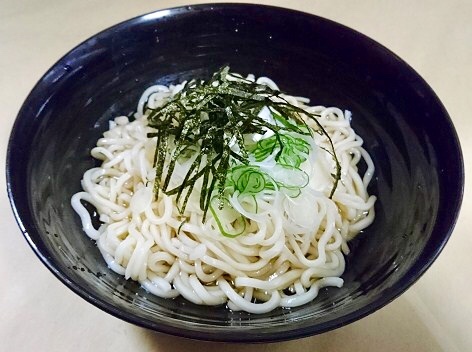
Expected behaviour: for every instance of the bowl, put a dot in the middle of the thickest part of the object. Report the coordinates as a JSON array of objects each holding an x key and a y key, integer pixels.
[{"x": 419, "y": 177}]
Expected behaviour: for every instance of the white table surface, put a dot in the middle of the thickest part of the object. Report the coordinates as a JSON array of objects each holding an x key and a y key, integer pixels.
[{"x": 38, "y": 313}]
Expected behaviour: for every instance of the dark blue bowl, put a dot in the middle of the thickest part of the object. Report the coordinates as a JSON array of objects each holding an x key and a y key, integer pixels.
[{"x": 419, "y": 179}]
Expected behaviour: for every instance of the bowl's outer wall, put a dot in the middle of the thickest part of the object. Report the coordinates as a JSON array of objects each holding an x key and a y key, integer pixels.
[{"x": 418, "y": 181}]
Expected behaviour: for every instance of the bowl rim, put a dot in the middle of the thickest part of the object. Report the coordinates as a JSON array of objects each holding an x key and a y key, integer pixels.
[{"x": 409, "y": 278}]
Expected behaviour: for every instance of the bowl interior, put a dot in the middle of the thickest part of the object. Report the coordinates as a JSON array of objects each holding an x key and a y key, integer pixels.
[{"x": 406, "y": 130}]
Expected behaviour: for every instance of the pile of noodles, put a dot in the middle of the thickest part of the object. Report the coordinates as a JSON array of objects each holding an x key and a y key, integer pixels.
[{"x": 291, "y": 246}]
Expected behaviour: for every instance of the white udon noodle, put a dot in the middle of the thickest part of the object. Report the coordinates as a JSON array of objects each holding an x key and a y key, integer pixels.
[{"x": 293, "y": 246}]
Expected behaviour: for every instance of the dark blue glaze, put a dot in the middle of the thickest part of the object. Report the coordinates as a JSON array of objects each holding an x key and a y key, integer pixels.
[{"x": 419, "y": 179}]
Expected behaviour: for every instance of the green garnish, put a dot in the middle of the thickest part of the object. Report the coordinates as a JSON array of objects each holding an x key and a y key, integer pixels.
[
  {"x": 216, "y": 114},
  {"x": 233, "y": 229},
  {"x": 292, "y": 153}
]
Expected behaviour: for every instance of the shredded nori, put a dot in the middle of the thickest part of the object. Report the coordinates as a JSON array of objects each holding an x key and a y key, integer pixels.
[{"x": 213, "y": 115}]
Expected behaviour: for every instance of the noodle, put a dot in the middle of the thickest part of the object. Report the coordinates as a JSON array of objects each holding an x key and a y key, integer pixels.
[{"x": 290, "y": 243}]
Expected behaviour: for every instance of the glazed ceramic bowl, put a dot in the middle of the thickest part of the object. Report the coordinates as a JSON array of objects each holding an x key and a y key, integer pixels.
[{"x": 407, "y": 131}]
